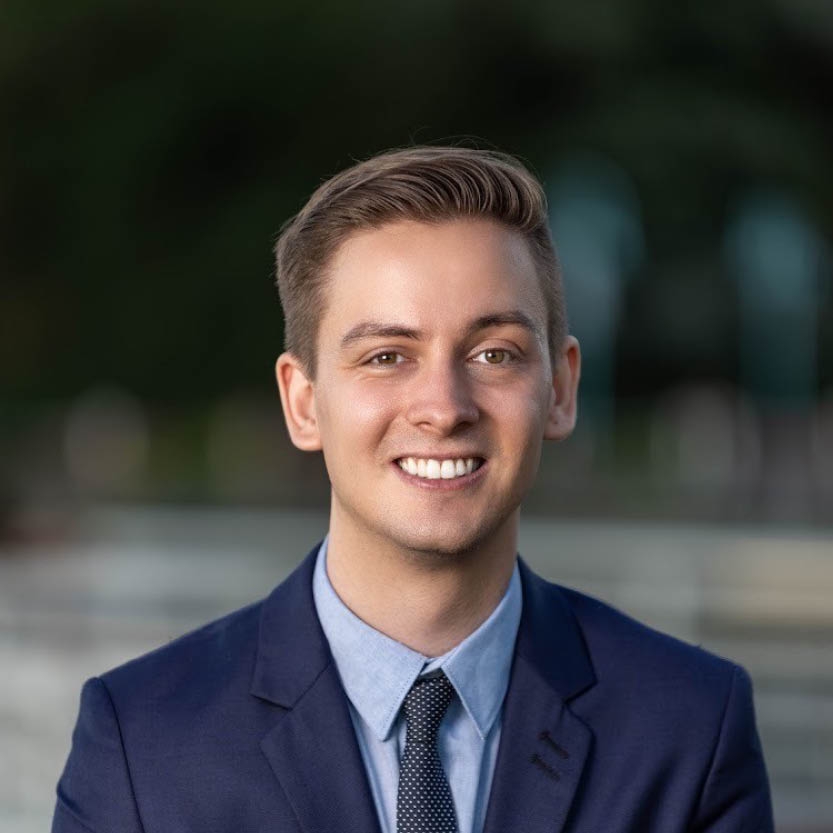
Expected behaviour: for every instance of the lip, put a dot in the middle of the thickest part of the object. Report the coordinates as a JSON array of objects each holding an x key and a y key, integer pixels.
[
  {"x": 447, "y": 456},
  {"x": 439, "y": 485}
]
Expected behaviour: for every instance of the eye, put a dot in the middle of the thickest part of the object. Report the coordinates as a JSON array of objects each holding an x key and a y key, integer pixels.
[
  {"x": 494, "y": 355},
  {"x": 387, "y": 358}
]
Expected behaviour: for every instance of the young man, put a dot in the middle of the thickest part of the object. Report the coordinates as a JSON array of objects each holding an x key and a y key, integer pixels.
[{"x": 413, "y": 674}]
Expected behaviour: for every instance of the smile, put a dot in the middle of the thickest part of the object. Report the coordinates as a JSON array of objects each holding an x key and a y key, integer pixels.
[{"x": 430, "y": 468}]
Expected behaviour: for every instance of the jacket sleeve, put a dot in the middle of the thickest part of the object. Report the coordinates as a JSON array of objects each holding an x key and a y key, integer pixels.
[
  {"x": 95, "y": 794},
  {"x": 735, "y": 797}
]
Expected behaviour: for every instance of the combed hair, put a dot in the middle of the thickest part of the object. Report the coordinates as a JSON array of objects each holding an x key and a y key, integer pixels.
[{"x": 425, "y": 184}]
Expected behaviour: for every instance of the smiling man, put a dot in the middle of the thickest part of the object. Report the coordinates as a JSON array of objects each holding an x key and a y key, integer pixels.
[{"x": 413, "y": 674}]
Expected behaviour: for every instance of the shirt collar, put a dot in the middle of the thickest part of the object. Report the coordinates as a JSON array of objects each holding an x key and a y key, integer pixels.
[{"x": 377, "y": 671}]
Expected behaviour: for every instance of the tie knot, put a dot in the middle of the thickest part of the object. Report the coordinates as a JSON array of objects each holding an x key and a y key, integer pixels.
[{"x": 424, "y": 707}]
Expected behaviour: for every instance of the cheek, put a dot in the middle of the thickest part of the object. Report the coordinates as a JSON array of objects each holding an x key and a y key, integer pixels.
[
  {"x": 520, "y": 413},
  {"x": 354, "y": 414}
]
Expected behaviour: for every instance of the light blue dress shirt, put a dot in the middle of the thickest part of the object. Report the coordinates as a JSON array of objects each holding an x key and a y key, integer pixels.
[{"x": 377, "y": 672}]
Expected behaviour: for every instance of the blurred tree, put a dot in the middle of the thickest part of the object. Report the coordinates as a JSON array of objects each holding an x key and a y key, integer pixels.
[{"x": 150, "y": 151}]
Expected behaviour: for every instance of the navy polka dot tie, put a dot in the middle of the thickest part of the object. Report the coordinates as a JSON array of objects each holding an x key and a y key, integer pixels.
[{"x": 423, "y": 803}]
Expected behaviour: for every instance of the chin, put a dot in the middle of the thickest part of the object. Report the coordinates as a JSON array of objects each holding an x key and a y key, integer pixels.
[{"x": 446, "y": 544}]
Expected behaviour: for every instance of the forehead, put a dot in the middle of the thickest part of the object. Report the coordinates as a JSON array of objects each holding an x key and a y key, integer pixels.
[{"x": 434, "y": 276}]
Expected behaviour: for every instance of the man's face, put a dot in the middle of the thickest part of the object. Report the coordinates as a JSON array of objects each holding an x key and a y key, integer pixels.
[{"x": 434, "y": 387}]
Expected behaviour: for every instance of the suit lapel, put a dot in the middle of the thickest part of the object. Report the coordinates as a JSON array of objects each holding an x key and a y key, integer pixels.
[
  {"x": 543, "y": 749},
  {"x": 312, "y": 749},
  {"x": 544, "y": 746},
  {"x": 314, "y": 754}
]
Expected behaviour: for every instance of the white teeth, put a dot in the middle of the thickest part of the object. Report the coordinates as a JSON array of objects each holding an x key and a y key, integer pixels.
[{"x": 432, "y": 469}]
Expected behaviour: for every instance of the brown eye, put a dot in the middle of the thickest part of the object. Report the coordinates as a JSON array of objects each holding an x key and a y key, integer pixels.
[
  {"x": 385, "y": 358},
  {"x": 495, "y": 356}
]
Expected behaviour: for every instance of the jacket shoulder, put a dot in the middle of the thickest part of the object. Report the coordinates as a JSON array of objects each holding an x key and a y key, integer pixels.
[
  {"x": 611, "y": 633},
  {"x": 191, "y": 666},
  {"x": 640, "y": 664}
]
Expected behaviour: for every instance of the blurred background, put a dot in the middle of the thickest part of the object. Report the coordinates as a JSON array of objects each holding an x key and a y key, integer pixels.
[{"x": 150, "y": 151}]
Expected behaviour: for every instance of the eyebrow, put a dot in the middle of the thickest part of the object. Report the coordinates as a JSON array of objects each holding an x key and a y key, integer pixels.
[{"x": 379, "y": 329}]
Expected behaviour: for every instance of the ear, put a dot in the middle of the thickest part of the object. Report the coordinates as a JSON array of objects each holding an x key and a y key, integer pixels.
[
  {"x": 561, "y": 418},
  {"x": 298, "y": 401}
]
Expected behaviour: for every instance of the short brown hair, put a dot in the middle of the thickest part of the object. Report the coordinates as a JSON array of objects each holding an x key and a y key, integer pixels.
[{"x": 426, "y": 184}]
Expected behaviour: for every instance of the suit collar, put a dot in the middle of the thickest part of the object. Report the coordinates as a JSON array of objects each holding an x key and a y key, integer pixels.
[
  {"x": 550, "y": 639},
  {"x": 292, "y": 651}
]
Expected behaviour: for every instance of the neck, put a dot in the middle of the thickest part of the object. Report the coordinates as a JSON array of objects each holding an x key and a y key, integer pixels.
[{"x": 428, "y": 601}]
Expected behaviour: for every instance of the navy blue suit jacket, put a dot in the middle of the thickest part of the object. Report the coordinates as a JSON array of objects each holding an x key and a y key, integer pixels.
[{"x": 243, "y": 726}]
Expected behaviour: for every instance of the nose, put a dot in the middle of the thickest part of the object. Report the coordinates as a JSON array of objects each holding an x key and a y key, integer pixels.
[{"x": 441, "y": 399}]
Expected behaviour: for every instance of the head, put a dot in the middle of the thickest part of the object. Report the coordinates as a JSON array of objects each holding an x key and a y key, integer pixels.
[
  {"x": 422, "y": 184},
  {"x": 426, "y": 353}
]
